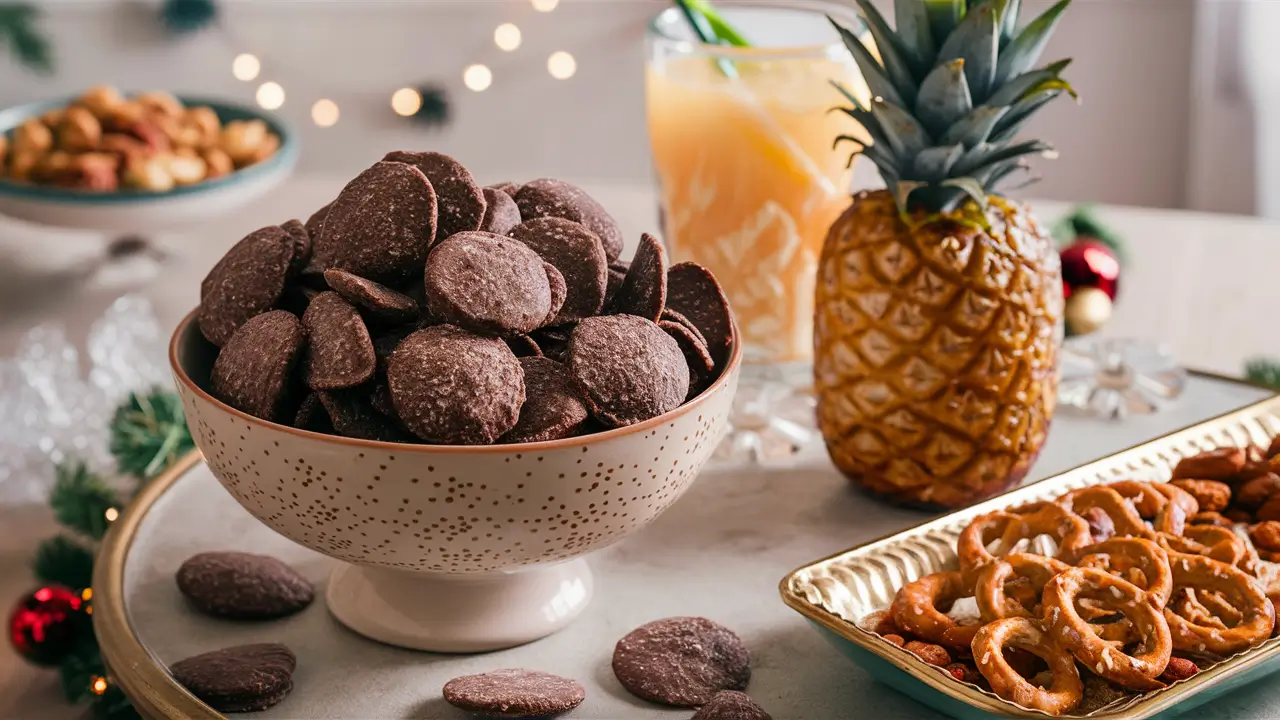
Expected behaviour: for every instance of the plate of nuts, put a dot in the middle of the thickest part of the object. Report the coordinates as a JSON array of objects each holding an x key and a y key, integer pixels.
[{"x": 137, "y": 162}]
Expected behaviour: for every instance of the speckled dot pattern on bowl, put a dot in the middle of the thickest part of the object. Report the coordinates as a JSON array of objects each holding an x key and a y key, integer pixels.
[{"x": 453, "y": 510}]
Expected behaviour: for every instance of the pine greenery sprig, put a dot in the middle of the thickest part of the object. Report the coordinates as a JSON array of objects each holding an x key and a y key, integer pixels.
[
  {"x": 80, "y": 668},
  {"x": 63, "y": 561},
  {"x": 1263, "y": 371},
  {"x": 148, "y": 433},
  {"x": 19, "y": 29},
  {"x": 1083, "y": 222},
  {"x": 80, "y": 499},
  {"x": 184, "y": 17}
]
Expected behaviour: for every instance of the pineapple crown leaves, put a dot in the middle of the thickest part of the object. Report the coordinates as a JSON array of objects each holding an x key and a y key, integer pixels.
[{"x": 951, "y": 88}]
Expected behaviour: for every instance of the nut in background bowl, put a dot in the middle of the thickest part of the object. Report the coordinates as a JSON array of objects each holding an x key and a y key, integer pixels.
[
  {"x": 452, "y": 548},
  {"x": 141, "y": 211}
]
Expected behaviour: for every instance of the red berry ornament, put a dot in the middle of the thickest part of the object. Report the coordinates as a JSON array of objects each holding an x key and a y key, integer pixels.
[
  {"x": 47, "y": 624},
  {"x": 1088, "y": 263}
]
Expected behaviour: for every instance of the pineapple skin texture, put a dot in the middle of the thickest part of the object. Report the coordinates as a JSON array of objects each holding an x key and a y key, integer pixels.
[{"x": 936, "y": 351}]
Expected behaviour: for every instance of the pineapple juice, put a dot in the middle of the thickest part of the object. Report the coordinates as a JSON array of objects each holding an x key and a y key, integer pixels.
[{"x": 749, "y": 181}]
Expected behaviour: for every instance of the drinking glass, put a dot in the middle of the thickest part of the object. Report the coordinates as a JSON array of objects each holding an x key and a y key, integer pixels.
[{"x": 749, "y": 182}]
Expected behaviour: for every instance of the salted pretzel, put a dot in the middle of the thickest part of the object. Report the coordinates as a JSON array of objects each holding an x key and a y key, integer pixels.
[
  {"x": 1137, "y": 573},
  {"x": 990, "y": 590},
  {"x": 1146, "y": 500},
  {"x": 1207, "y": 576},
  {"x": 1140, "y": 562},
  {"x": 1065, "y": 689},
  {"x": 1205, "y": 608},
  {"x": 917, "y": 609},
  {"x": 1137, "y": 671},
  {"x": 1181, "y": 505},
  {"x": 1008, "y": 530},
  {"x": 1123, "y": 514},
  {"x": 1217, "y": 543}
]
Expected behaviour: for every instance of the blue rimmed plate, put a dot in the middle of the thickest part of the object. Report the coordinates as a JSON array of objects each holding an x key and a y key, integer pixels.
[{"x": 141, "y": 211}]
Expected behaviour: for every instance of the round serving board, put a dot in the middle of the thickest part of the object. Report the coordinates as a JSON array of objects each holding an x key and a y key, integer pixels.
[{"x": 719, "y": 552}]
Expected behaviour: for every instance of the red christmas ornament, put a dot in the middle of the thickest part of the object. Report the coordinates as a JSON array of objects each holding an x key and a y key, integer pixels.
[
  {"x": 47, "y": 624},
  {"x": 1088, "y": 263}
]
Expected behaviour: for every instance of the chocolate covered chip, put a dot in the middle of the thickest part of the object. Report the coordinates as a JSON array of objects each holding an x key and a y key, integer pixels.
[
  {"x": 452, "y": 387},
  {"x": 556, "y": 198},
  {"x": 613, "y": 283},
  {"x": 301, "y": 244},
  {"x": 553, "y": 406},
  {"x": 731, "y": 705},
  {"x": 243, "y": 586},
  {"x": 254, "y": 371},
  {"x": 501, "y": 212},
  {"x": 488, "y": 284},
  {"x": 381, "y": 226},
  {"x": 701, "y": 366},
  {"x": 559, "y": 291},
  {"x": 672, "y": 316},
  {"x": 553, "y": 341},
  {"x": 339, "y": 351},
  {"x": 312, "y": 416},
  {"x": 644, "y": 290},
  {"x": 386, "y": 342},
  {"x": 377, "y": 300},
  {"x": 316, "y": 221},
  {"x": 461, "y": 200},
  {"x": 514, "y": 694},
  {"x": 509, "y": 188},
  {"x": 694, "y": 292},
  {"x": 380, "y": 399},
  {"x": 681, "y": 661},
  {"x": 243, "y": 678},
  {"x": 247, "y": 281},
  {"x": 629, "y": 369},
  {"x": 523, "y": 346},
  {"x": 576, "y": 252},
  {"x": 354, "y": 416}
]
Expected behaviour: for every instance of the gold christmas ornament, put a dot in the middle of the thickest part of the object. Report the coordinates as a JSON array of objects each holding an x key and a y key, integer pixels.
[{"x": 1087, "y": 310}]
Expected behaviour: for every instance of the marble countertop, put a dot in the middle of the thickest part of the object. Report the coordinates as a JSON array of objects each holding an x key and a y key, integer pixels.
[
  {"x": 719, "y": 552},
  {"x": 1194, "y": 280}
]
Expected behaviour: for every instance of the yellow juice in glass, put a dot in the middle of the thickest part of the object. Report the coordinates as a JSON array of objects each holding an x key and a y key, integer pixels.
[{"x": 750, "y": 183}]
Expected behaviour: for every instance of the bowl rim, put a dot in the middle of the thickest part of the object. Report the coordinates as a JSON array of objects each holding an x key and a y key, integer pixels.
[
  {"x": 285, "y": 156},
  {"x": 730, "y": 370}
]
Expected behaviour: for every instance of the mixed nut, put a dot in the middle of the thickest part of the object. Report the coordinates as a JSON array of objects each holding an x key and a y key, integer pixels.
[{"x": 105, "y": 142}]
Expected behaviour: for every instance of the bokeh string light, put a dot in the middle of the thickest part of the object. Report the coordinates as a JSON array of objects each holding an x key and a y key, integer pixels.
[
  {"x": 561, "y": 65},
  {"x": 406, "y": 101},
  {"x": 477, "y": 77},
  {"x": 507, "y": 37}
]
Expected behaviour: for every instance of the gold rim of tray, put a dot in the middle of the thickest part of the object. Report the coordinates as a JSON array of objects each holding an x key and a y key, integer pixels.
[{"x": 154, "y": 693}]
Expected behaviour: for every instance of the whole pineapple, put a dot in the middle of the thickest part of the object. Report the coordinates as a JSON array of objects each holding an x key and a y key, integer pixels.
[{"x": 939, "y": 303}]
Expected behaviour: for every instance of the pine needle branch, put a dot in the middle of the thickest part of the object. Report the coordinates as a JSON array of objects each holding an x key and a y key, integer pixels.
[
  {"x": 80, "y": 499},
  {"x": 1083, "y": 222},
  {"x": 1263, "y": 371},
  {"x": 19, "y": 29},
  {"x": 63, "y": 561},
  {"x": 149, "y": 433}
]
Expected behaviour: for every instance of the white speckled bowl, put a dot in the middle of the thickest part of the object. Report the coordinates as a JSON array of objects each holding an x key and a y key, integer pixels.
[{"x": 451, "y": 548}]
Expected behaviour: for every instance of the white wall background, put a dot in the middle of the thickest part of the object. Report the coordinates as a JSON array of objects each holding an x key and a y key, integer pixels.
[{"x": 1128, "y": 143}]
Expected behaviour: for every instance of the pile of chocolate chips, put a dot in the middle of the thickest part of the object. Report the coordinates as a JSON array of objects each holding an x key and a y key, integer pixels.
[{"x": 419, "y": 306}]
